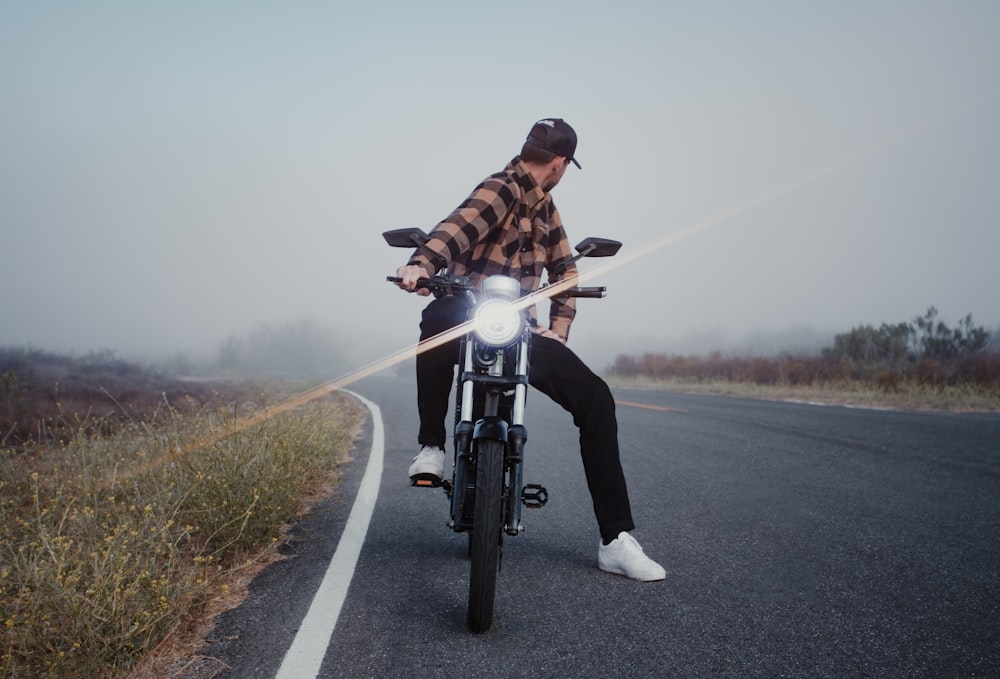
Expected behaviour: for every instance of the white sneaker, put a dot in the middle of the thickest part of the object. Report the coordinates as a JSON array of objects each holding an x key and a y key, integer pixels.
[
  {"x": 428, "y": 467},
  {"x": 625, "y": 557}
]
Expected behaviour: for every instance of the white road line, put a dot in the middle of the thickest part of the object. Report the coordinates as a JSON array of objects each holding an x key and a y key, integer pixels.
[{"x": 305, "y": 655}]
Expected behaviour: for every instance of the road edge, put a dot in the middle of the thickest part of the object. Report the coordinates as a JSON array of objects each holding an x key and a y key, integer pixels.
[{"x": 305, "y": 656}]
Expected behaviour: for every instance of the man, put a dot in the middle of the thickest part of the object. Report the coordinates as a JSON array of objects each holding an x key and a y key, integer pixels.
[{"x": 509, "y": 225}]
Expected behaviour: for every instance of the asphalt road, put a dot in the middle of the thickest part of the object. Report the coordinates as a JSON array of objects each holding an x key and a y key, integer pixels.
[{"x": 799, "y": 540}]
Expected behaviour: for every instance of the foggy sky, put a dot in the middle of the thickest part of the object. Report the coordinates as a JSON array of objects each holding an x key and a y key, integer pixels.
[{"x": 175, "y": 173}]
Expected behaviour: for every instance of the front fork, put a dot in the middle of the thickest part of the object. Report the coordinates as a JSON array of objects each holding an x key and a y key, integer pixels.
[{"x": 514, "y": 437}]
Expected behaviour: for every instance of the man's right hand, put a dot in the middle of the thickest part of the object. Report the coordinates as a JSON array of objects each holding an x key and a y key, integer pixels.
[{"x": 410, "y": 274}]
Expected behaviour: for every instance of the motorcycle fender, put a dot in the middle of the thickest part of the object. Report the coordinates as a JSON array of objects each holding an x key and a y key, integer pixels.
[{"x": 490, "y": 428}]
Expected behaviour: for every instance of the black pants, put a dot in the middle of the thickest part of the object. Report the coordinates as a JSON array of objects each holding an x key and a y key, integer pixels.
[{"x": 555, "y": 371}]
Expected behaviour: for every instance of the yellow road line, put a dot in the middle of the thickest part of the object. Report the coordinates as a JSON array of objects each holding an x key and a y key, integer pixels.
[{"x": 648, "y": 406}]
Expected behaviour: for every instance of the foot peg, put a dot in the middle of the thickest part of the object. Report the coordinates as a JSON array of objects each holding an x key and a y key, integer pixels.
[
  {"x": 425, "y": 481},
  {"x": 534, "y": 496}
]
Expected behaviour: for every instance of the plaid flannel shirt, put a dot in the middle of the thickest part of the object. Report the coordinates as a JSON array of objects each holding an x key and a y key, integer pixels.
[{"x": 508, "y": 226}]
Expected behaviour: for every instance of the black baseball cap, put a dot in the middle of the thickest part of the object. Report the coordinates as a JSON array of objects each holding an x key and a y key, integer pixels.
[{"x": 556, "y": 136}]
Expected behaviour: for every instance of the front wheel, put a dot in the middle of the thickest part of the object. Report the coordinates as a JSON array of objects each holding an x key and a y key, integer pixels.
[{"x": 484, "y": 543}]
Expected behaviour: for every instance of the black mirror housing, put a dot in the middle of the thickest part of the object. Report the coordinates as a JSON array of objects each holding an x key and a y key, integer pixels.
[
  {"x": 598, "y": 247},
  {"x": 405, "y": 238}
]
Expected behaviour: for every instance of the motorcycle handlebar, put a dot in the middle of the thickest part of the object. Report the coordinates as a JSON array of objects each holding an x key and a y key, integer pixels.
[
  {"x": 594, "y": 293},
  {"x": 439, "y": 284},
  {"x": 449, "y": 284}
]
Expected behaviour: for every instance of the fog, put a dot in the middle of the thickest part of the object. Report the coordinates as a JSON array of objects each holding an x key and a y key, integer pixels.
[{"x": 176, "y": 174}]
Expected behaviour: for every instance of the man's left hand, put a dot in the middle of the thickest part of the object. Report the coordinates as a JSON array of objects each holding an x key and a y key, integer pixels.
[{"x": 551, "y": 335}]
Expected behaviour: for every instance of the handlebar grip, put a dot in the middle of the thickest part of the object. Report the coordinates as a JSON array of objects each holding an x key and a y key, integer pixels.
[
  {"x": 421, "y": 282},
  {"x": 594, "y": 293}
]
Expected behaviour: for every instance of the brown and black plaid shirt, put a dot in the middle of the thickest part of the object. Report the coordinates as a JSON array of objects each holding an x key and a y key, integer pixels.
[{"x": 508, "y": 226}]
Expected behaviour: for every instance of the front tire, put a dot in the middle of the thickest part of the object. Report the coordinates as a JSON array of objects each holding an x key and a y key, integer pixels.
[{"x": 484, "y": 543}]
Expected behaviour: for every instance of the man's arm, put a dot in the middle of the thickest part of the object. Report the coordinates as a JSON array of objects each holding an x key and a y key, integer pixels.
[
  {"x": 459, "y": 232},
  {"x": 489, "y": 203},
  {"x": 561, "y": 311}
]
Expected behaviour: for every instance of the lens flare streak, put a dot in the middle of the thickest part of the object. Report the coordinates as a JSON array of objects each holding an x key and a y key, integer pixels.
[{"x": 560, "y": 287}]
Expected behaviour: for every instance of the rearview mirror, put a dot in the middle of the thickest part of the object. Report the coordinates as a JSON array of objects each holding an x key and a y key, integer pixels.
[
  {"x": 405, "y": 238},
  {"x": 598, "y": 247},
  {"x": 591, "y": 247}
]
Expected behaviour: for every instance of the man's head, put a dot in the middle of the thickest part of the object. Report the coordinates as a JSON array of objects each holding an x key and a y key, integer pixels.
[{"x": 549, "y": 149}]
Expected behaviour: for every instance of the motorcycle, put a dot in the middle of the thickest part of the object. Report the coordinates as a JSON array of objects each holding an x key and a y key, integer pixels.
[{"x": 486, "y": 491}]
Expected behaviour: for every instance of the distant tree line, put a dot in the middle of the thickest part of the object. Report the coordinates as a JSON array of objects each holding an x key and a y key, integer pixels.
[
  {"x": 925, "y": 350},
  {"x": 925, "y": 337},
  {"x": 303, "y": 349}
]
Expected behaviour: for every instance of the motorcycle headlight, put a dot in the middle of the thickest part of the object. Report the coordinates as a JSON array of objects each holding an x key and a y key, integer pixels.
[
  {"x": 497, "y": 323},
  {"x": 502, "y": 287}
]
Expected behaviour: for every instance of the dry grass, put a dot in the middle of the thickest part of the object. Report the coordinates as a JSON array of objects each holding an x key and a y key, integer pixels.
[
  {"x": 115, "y": 541},
  {"x": 909, "y": 395}
]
